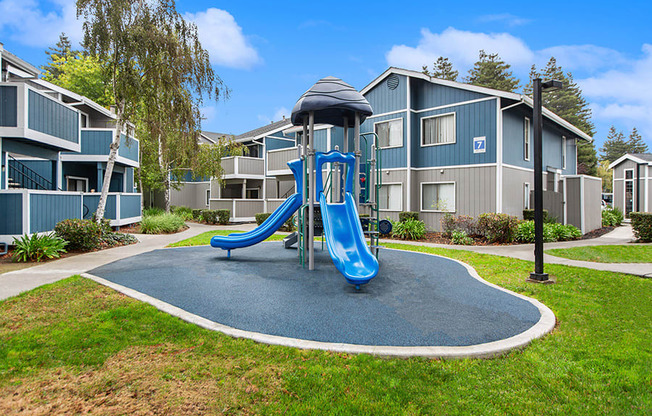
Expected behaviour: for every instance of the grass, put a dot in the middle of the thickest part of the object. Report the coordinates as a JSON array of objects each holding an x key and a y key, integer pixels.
[
  {"x": 606, "y": 254},
  {"x": 75, "y": 347},
  {"x": 161, "y": 224},
  {"x": 204, "y": 239}
]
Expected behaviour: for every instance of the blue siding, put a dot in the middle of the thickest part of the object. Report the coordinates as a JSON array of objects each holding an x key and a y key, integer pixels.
[
  {"x": 130, "y": 180},
  {"x": 337, "y": 138},
  {"x": 185, "y": 177},
  {"x": 96, "y": 142},
  {"x": 395, "y": 157},
  {"x": 273, "y": 144},
  {"x": 427, "y": 95},
  {"x": 11, "y": 220},
  {"x": 129, "y": 206},
  {"x": 8, "y": 106},
  {"x": 384, "y": 100},
  {"x": 91, "y": 201},
  {"x": 46, "y": 210},
  {"x": 128, "y": 148},
  {"x": 41, "y": 167},
  {"x": 50, "y": 117},
  {"x": 321, "y": 140},
  {"x": 471, "y": 120},
  {"x": 81, "y": 170}
]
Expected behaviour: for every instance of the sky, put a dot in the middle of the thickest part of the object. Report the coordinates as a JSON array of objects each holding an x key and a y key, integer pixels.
[{"x": 269, "y": 53}]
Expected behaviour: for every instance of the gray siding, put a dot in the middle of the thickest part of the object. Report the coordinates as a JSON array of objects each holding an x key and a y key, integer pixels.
[
  {"x": 8, "y": 106},
  {"x": 395, "y": 176},
  {"x": 251, "y": 166},
  {"x": 46, "y": 210},
  {"x": 278, "y": 160},
  {"x": 190, "y": 194},
  {"x": 50, "y": 117},
  {"x": 384, "y": 100},
  {"x": 513, "y": 190},
  {"x": 11, "y": 220},
  {"x": 573, "y": 203},
  {"x": 639, "y": 188},
  {"x": 427, "y": 95}
]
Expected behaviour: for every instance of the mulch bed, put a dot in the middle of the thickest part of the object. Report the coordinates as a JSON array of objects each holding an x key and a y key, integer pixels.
[{"x": 597, "y": 233}]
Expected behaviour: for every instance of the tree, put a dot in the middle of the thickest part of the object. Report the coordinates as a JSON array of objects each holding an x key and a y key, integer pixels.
[
  {"x": 82, "y": 74},
  {"x": 492, "y": 72},
  {"x": 442, "y": 69},
  {"x": 614, "y": 145},
  {"x": 62, "y": 49},
  {"x": 146, "y": 43},
  {"x": 635, "y": 143},
  {"x": 569, "y": 104},
  {"x": 607, "y": 177}
]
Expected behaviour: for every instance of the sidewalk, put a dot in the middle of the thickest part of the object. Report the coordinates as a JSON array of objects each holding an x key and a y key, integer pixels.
[
  {"x": 18, "y": 281},
  {"x": 620, "y": 235}
]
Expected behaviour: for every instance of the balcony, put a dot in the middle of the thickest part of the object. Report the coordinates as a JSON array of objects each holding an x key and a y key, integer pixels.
[
  {"x": 243, "y": 167},
  {"x": 95, "y": 147},
  {"x": 242, "y": 210},
  {"x": 27, "y": 113},
  {"x": 277, "y": 161}
]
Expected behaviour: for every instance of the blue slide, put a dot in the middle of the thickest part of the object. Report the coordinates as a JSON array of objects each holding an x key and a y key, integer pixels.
[
  {"x": 342, "y": 229},
  {"x": 271, "y": 224}
]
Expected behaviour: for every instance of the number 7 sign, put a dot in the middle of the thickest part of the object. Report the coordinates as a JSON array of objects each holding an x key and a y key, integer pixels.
[{"x": 480, "y": 144}]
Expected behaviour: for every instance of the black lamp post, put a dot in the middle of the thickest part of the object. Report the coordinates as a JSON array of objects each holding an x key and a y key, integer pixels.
[{"x": 537, "y": 88}]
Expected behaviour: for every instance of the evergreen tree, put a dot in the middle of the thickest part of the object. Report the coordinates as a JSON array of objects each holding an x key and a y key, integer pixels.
[
  {"x": 492, "y": 72},
  {"x": 636, "y": 144},
  {"x": 62, "y": 50},
  {"x": 614, "y": 146},
  {"x": 569, "y": 104},
  {"x": 442, "y": 69}
]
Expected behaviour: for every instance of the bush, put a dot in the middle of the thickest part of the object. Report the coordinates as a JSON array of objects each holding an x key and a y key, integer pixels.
[
  {"x": 38, "y": 246},
  {"x": 261, "y": 217},
  {"x": 462, "y": 223},
  {"x": 561, "y": 232},
  {"x": 461, "y": 238},
  {"x": 85, "y": 235},
  {"x": 402, "y": 216},
  {"x": 612, "y": 217},
  {"x": 196, "y": 214},
  {"x": 223, "y": 216},
  {"x": 498, "y": 228},
  {"x": 289, "y": 225},
  {"x": 148, "y": 212},
  {"x": 410, "y": 229},
  {"x": 642, "y": 225},
  {"x": 184, "y": 212},
  {"x": 551, "y": 232},
  {"x": 209, "y": 216},
  {"x": 528, "y": 215},
  {"x": 164, "y": 223},
  {"x": 118, "y": 239}
]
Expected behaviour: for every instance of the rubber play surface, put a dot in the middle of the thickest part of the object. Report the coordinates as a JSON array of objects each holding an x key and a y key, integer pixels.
[{"x": 416, "y": 299}]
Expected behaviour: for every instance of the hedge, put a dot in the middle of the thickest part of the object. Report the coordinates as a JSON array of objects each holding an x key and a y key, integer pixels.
[
  {"x": 83, "y": 235},
  {"x": 216, "y": 216},
  {"x": 642, "y": 225},
  {"x": 498, "y": 228}
]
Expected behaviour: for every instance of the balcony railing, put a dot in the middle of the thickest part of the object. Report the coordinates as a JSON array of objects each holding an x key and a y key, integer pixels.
[
  {"x": 277, "y": 160},
  {"x": 95, "y": 146},
  {"x": 242, "y": 210},
  {"x": 243, "y": 167}
]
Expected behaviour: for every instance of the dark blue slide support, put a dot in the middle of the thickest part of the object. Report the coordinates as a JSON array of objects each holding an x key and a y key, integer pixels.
[{"x": 344, "y": 236}]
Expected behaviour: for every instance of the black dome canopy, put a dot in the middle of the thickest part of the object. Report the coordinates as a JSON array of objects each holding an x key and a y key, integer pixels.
[{"x": 331, "y": 99}]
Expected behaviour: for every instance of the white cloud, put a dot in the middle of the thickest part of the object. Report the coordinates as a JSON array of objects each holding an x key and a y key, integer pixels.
[
  {"x": 208, "y": 112},
  {"x": 279, "y": 113},
  {"x": 583, "y": 57},
  {"x": 222, "y": 37},
  {"x": 30, "y": 26},
  {"x": 508, "y": 18}
]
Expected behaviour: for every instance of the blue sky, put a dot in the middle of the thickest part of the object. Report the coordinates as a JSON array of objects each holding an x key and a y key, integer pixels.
[{"x": 269, "y": 53}]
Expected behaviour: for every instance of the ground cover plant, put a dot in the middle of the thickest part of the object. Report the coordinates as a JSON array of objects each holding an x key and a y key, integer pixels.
[
  {"x": 162, "y": 224},
  {"x": 612, "y": 217},
  {"x": 204, "y": 238},
  {"x": 606, "y": 254},
  {"x": 105, "y": 353},
  {"x": 38, "y": 247}
]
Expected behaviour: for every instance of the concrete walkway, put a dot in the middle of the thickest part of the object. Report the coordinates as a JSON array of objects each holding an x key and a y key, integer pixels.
[
  {"x": 619, "y": 236},
  {"x": 18, "y": 281}
]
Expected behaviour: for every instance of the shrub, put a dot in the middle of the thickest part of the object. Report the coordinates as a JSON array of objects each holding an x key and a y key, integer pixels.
[
  {"x": 447, "y": 224},
  {"x": 551, "y": 232},
  {"x": 184, "y": 212},
  {"x": 528, "y": 215},
  {"x": 498, "y": 228},
  {"x": 612, "y": 217},
  {"x": 462, "y": 223},
  {"x": 402, "y": 216},
  {"x": 164, "y": 223},
  {"x": 148, "y": 212},
  {"x": 561, "y": 232},
  {"x": 209, "y": 216},
  {"x": 461, "y": 238},
  {"x": 223, "y": 216},
  {"x": 38, "y": 246},
  {"x": 289, "y": 225},
  {"x": 410, "y": 229},
  {"x": 118, "y": 239},
  {"x": 642, "y": 225},
  {"x": 85, "y": 235},
  {"x": 261, "y": 217},
  {"x": 196, "y": 214}
]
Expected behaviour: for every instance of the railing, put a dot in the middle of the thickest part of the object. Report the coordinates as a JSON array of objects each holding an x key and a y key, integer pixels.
[
  {"x": 241, "y": 209},
  {"x": 238, "y": 166},
  {"x": 27, "y": 177},
  {"x": 97, "y": 141},
  {"x": 34, "y": 211},
  {"x": 277, "y": 160}
]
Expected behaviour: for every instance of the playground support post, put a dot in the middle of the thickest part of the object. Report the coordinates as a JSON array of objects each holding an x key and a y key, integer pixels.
[
  {"x": 336, "y": 180},
  {"x": 304, "y": 149},
  {"x": 356, "y": 177},
  {"x": 311, "y": 189}
]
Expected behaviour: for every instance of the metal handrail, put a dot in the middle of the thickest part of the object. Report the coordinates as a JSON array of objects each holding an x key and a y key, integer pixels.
[{"x": 45, "y": 184}]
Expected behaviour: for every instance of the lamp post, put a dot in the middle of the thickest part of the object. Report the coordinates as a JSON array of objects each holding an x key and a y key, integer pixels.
[{"x": 537, "y": 88}]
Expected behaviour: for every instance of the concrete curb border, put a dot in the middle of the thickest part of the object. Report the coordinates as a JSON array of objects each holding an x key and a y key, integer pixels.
[{"x": 544, "y": 326}]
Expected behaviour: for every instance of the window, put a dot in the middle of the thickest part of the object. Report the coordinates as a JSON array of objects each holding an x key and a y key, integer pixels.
[
  {"x": 438, "y": 130},
  {"x": 208, "y": 197},
  {"x": 526, "y": 196},
  {"x": 76, "y": 184},
  {"x": 390, "y": 133},
  {"x": 526, "y": 139},
  {"x": 390, "y": 197},
  {"x": 629, "y": 174},
  {"x": 438, "y": 197},
  {"x": 299, "y": 136},
  {"x": 252, "y": 193},
  {"x": 563, "y": 152}
]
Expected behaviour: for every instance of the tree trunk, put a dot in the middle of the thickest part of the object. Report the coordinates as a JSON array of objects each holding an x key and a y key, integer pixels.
[
  {"x": 115, "y": 145},
  {"x": 140, "y": 188},
  {"x": 166, "y": 181}
]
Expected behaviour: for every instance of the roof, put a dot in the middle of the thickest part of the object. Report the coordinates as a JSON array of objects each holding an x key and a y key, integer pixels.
[
  {"x": 643, "y": 158},
  {"x": 80, "y": 99},
  {"x": 331, "y": 100},
  {"x": 19, "y": 63},
  {"x": 212, "y": 137},
  {"x": 264, "y": 130},
  {"x": 523, "y": 99}
]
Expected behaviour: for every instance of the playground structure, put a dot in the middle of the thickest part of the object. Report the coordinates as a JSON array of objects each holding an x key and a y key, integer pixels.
[{"x": 329, "y": 101}]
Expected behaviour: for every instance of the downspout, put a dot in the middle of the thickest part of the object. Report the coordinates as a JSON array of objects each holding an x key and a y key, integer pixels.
[
  {"x": 264, "y": 173},
  {"x": 638, "y": 187}
]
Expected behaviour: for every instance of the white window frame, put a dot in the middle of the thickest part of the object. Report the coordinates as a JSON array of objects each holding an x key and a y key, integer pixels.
[
  {"x": 526, "y": 195},
  {"x": 208, "y": 197},
  {"x": 402, "y": 132},
  {"x": 393, "y": 210},
  {"x": 527, "y": 140},
  {"x": 563, "y": 152},
  {"x": 438, "y": 183},
  {"x": 77, "y": 178},
  {"x": 421, "y": 122}
]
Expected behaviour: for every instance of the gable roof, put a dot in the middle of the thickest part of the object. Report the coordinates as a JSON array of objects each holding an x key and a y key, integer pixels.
[
  {"x": 642, "y": 158},
  {"x": 522, "y": 99},
  {"x": 264, "y": 130},
  {"x": 18, "y": 63},
  {"x": 212, "y": 137}
]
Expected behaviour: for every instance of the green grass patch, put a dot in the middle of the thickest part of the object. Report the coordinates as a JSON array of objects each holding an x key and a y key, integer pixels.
[
  {"x": 204, "y": 239},
  {"x": 606, "y": 254},
  {"x": 162, "y": 224},
  {"x": 80, "y": 346}
]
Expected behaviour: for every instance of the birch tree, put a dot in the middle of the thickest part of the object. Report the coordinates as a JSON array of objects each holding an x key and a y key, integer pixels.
[{"x": 145, "y": 43}]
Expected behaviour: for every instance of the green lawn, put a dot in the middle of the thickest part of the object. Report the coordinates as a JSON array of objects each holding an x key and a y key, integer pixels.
[
  {"x": 75, "y": 346},
  {"x": 606, "y": 254},
  {"x": 204, "y": 239}
]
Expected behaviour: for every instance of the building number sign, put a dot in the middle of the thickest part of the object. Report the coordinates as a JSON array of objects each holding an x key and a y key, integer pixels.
[{"x": 480, "y": 144}]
